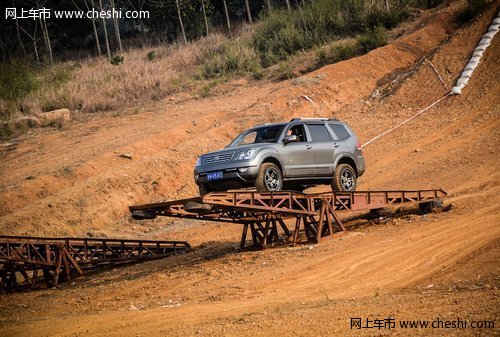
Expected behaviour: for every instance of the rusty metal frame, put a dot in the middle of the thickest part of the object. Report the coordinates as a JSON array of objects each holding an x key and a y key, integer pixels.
[
  {"x": 32, "y": 261},
  {"x": 264, "y": 214}
]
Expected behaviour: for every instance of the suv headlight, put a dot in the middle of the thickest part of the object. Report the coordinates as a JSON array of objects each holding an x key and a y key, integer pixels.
[
  {"x": 247, "y": 154},
  {"x": 198, "y": 162}
]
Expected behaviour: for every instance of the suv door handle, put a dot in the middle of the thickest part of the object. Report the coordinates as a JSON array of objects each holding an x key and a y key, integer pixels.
[
  {"x": 336, "y": 145},
  {"x": 308, "y": 147}
]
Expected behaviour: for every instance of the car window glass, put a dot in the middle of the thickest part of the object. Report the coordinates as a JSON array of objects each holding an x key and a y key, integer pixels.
[
  {"x": 319, "y": 133},
  {"x": 248, "y": 139},
  {"x": 297, "y": 130},
  {"x": 340, "y": 131},
  {"x": 266, "y": 134}
]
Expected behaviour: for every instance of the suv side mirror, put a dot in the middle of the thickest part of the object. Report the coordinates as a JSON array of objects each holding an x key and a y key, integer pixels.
[{"x": 290, "y": 139}]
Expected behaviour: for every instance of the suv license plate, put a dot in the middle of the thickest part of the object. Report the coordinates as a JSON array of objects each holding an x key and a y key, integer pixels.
[{"x": 215, "y": 175}]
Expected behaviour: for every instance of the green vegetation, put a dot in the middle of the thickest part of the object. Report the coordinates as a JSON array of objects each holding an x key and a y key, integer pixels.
[
  {"x": 336, "y": 52},
  {"x": 284, "y": 72},
  {"x": 117, "y": 60},
  {"x": 19, "y": 82},
  {"x": 373, "y": 38},
  {"x": 16, "y": 81},
  {"x": 333, "y": 54},
  {"x": 284, "y": 33},
  {"x": 152, "y": 55},
  {"x": 472, "y": 9},
  {"x": 230, "y": 58}
]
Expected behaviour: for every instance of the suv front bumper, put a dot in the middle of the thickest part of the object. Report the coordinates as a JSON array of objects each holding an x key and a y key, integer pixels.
[{"x": 232, "y": 177}]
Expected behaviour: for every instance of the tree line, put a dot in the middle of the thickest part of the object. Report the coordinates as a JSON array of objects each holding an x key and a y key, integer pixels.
[{"x": 47, "y": 38}]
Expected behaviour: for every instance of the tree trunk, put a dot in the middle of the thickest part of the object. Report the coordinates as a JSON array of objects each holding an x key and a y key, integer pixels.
[
  {"x": 97, "y": 43},
  {"x": 117, "y": 28},
  {"x": 204, "y": 15},
  {"x": 105, "y": 32},
  {"x": 227, "y": 15},
  {"x": 268, "y": 3},
  {"x": 143, "y": 39},
  {"x": 180, "y": 21},
  {"x": 288, "y": 4},
  {"x": 36, "y": 52},
  {"x": 19, "y": 38},
  {"x": 143, "y": 32},
  {"x": 33, "y": 39},
  {"x": 46, "y": 38},
  {"x": 141, "y": 24},
  {"x": 94, "y": 27},
  {"x": 45, "y": 31},
  {"x": 249, "y": 14},
  {"x": 387, "y": 5}
]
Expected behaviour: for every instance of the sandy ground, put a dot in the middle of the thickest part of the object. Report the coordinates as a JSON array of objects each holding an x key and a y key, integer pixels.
[{"x": 409, "y": 267}]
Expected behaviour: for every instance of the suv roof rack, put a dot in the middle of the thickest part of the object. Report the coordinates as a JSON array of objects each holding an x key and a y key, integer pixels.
[{"x": 312, "y": 119}]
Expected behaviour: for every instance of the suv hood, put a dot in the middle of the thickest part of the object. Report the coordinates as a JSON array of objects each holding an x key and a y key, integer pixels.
[{"x": 237, "y": 148}]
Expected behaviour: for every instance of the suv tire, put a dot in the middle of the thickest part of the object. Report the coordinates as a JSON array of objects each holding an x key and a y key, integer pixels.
[
  {"x": 269, "y": 178},
  {"x": 344, "y": 179},
  {"x": 203, "y": 189}
]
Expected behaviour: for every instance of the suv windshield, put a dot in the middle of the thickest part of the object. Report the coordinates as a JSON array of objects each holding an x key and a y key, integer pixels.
[{"x": 264, "y": 134}]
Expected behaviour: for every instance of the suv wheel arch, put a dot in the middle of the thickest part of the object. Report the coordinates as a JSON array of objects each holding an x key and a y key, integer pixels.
[
  {"x": 274, "y": 160},
  {"x": 349, "y": 161}
]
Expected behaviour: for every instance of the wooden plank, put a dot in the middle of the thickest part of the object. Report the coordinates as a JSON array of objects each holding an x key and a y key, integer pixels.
[
  {"x": 320, "y": 222},
  {"x": 74, "y": 263},
  {"x": 55, "y": 278},
  {"x": 243, "y": 236}
]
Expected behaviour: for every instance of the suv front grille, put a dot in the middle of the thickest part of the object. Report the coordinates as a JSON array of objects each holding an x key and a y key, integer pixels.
[{"x": 218, "y": 158}]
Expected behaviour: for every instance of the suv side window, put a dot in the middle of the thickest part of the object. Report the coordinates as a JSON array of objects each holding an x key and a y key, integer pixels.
[
  {"x": 340, "y": 131},
  {"x": 319, "y": 133},
  {"x": 298, "y": 130}
]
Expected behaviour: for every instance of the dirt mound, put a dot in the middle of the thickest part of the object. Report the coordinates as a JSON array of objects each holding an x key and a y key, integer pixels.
[{"x": 411, "y": 267}]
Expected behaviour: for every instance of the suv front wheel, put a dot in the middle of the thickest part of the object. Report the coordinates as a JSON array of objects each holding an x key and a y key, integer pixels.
[
  {"x": 204, "y": 189},
  {"x": 269, "y": 178},
  {"x": 344, "y": 179}
]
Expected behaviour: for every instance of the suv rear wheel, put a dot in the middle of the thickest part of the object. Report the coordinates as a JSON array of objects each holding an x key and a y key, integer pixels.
[
  {"x": 344, "y": 179},
  {"x": 269, "y": 178}
]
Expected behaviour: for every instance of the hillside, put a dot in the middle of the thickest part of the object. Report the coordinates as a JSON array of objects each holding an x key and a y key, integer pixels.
[{"x": 73, "y": 182}]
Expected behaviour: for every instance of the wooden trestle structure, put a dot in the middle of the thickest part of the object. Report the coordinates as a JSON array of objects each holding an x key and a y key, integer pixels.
[
  {"x": 31, "y": 262},
  {"x": 265, "y": 214}
]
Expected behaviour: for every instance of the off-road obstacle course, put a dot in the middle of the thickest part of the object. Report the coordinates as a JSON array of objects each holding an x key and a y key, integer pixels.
[
  {"x": 33, "y": 262},
  {"x": 265, "y": 213}
]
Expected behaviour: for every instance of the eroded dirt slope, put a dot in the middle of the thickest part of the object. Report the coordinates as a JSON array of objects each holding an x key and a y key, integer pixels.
[{"x": 441, "y": 265}]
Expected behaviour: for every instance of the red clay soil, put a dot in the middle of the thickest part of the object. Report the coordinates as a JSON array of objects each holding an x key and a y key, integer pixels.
[{"x": 411, "y": 267}]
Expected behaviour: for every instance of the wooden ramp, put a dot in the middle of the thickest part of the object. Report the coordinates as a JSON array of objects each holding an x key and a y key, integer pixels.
[
  {"x": 263, "y": 215},
  {"x": 32, "y": 262}
]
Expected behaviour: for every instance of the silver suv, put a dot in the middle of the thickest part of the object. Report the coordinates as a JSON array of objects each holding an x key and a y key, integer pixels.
[{"x": 293, "y": 155}]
